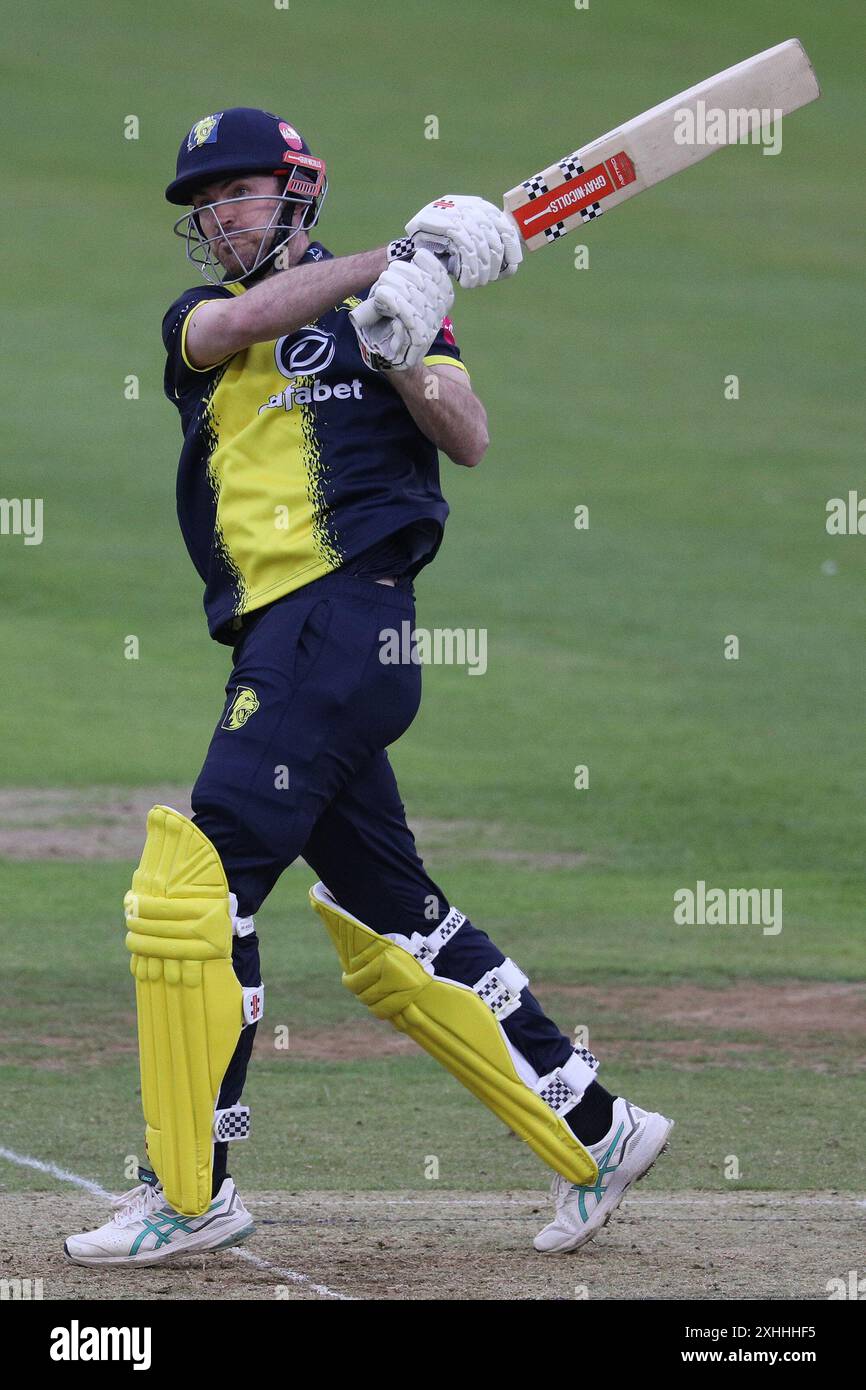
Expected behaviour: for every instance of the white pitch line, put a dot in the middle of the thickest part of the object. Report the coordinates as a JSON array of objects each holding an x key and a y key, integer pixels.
[
  {"x": 289, "y": 1274},
  {"x": 62, "y": 1174},
  {"x": 94, "y": 1188}
]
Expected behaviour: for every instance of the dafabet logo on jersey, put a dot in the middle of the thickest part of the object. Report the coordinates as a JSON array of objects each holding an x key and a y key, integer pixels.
[
  {"x": 242, "y": 708},
  {"x": 306, "y": 352},
  {"x": 301, "y": 356}
]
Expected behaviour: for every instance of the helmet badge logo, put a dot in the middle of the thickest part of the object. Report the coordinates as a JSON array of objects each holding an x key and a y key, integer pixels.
[{"x": 204, "y": 132}]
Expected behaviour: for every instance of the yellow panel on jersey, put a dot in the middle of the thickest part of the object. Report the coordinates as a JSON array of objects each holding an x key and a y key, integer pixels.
[
  {"x": 188, "y": 998},
  {"x": 454, "y": 1026},
  {"x": 265, "y": 470}
]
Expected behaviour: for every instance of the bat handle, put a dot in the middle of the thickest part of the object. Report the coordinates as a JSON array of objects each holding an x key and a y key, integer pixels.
[{"x": 439, "y": 248}]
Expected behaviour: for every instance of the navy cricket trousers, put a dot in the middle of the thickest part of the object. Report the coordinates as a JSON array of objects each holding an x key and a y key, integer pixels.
[
  {"x": 297, "y": 766},
  {"x": 306, "y": 772}
]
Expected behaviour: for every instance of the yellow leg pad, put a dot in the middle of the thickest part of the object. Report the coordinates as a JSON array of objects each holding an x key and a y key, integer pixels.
[
  {"x": 457, "y": 1028},
  {"x": 189, "y": 1000}
]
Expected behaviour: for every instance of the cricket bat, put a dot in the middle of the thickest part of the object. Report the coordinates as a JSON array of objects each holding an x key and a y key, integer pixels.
[
  {"x": 663, "y": 141},
  {"x": 726, "y": 109}
]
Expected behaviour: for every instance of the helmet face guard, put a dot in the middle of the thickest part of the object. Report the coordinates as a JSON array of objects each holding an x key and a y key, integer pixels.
[{"x": 306, "y": 186}]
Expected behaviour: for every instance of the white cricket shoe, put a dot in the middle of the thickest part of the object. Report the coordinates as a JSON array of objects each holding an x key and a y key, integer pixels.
[
  {"x": 145, "y": 1230},
  {"x": 625, "y": 1154}
]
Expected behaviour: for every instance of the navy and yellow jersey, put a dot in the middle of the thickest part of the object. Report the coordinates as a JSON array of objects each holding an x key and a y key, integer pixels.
[{"x": 296, "y": 460}]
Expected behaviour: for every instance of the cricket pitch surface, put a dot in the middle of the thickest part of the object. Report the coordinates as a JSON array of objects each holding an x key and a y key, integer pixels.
[{"x": 464, "y": 1246}]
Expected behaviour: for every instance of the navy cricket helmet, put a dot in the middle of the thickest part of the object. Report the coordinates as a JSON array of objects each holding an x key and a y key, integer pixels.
[{"x": 244, "y": 140}]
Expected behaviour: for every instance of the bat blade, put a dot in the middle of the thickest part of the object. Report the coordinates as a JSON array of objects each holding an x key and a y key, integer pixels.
[{"x": 644, "y": 151}]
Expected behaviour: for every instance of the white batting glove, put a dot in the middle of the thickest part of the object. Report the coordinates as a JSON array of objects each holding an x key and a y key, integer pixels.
[
  {"x": 480, "y": 241},
  {"x": 397, "y": 323}
]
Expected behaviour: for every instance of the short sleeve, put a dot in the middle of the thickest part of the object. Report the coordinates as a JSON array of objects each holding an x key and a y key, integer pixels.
[
  {"x": 180, "y": 375},
  {"x": 444, "y": 349}
]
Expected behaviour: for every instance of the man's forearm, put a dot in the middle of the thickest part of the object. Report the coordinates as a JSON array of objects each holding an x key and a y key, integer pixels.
[
  {"x": 446, "y": 410},
  {"x": 286, "y": 301}
]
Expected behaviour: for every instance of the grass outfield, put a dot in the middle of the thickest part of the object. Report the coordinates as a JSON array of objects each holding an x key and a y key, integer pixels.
[
  {"x": 349, "y": 1104},
  {"x": 604, "y": 387}
]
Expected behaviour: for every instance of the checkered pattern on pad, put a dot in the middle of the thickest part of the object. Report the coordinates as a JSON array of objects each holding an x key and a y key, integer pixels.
[
  {"x": 558, "y": 1096},
  {"x": 586, "y": 1056},
  {"x": 231, "y": 1123},
  {"x": 425, "y": 949},
  {"x": 500, "y": 1000}
]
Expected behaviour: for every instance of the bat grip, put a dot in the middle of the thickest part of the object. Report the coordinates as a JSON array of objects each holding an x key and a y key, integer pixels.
[{"x": 426, "y": 242}]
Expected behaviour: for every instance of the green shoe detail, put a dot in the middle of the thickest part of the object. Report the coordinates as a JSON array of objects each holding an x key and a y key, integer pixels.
[
  {"x": 164, "y": 1225},
  {"x": 598, "y": 1189}
]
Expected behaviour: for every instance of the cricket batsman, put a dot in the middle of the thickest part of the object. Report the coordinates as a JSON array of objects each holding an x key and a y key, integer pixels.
[{"x": 315, "y": 393}]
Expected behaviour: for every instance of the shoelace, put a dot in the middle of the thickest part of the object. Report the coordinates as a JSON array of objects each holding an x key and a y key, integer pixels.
[
  {"x": 137, "y": 1203},
  {"x": 559, "y": 1190}
]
